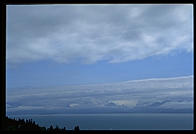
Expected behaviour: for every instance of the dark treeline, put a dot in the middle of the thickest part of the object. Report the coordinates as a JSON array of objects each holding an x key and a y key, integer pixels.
[{"x": 29, "y": 125}]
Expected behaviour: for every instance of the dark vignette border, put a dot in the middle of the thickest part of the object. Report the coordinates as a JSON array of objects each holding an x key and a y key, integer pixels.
[{"x": 4, "y": 3}]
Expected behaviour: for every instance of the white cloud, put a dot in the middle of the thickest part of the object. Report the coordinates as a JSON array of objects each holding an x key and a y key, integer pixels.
[
  {"x": 24, "y": 108},
  {"x": 116, "y": 33},
  {"x": 73, "y": 105},
  {"x": 178, "y": 105},
  {"x": 128, "y": 103}
]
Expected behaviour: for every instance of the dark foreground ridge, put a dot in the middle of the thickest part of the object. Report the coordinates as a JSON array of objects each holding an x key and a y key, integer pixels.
[{"x": 29, "y": 125}]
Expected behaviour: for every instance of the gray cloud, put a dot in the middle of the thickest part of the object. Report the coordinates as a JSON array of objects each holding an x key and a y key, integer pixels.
[
  {"x": 91, "y": 33},
  {"x": 153, "y": 94}
]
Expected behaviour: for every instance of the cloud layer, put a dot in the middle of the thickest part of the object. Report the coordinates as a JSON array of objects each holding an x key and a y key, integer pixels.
[
  {"x": 151, "y": 95},
  {"x": 91, "y": 33}
]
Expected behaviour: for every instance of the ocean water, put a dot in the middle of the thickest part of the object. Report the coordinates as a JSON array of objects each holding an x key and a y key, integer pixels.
[{"x": 149, "y": 121}]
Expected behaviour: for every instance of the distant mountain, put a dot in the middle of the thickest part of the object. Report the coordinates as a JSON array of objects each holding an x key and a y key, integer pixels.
[{"x": 148, "y": 95}]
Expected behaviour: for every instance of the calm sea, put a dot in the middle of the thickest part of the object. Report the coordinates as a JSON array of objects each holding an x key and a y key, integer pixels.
[{"x": 116, "y": 121}]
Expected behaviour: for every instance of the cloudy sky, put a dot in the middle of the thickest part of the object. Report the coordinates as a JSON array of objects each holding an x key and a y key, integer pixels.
[
  {"x": 149, "y": 95},
  {"x": 54, "y": 52},
  {"x": 49, "y": 45}
]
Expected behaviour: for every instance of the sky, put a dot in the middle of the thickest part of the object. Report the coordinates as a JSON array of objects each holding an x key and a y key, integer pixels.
[
  {"x": 78, "y": 44},
  {"x": 165, "y": 95},
  {"x": 57, "y": 46}
]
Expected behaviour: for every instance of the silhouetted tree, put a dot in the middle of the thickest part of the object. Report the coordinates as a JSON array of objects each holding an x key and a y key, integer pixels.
[
  {"x": 76, "y": 128},
  {"x": 51, "y": 128},
  {"x": 64, "y": 129}
]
